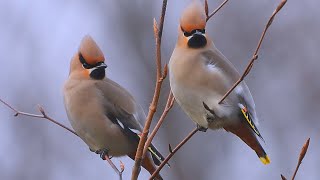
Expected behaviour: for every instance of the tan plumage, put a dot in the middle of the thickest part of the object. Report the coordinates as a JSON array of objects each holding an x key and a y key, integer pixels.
[
  {"x": 200, "y": 75},
  {"x": 103, "y": 114}
]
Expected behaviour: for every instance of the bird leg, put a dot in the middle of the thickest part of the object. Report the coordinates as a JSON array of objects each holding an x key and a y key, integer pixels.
[{"x": 103, "y": 152}]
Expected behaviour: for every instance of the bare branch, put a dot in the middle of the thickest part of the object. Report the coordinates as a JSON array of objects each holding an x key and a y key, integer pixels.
[
  {"x": 195, "y": 130},
  {"x": 255, "y": 54},
  {"x": 302, "y": 154},
  {"x": 206, "y": 8},
  {"x": 169, "y": 105},
  {"x": 155, "y": 99},
  {"x": 114, "y": 167},
  {"x": 215, "y": 11},
  {"x": 43, "y": 116}
]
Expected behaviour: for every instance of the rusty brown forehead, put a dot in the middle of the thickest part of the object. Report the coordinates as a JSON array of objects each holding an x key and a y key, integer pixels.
[
  {"x": 90, "y": 51},
  {"x": 192, "y": 23}
]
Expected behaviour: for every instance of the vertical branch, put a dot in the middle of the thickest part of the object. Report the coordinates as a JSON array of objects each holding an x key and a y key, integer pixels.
[
  {"x": 169, "y": 105},
  {"x": 173, "y": 152},
  {"x": 255, "y": 54},
  {"x": 153, "y": 106}
]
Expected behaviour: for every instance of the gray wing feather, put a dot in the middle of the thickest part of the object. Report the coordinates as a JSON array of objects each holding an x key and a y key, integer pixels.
[{"x": 121, "y": 104}]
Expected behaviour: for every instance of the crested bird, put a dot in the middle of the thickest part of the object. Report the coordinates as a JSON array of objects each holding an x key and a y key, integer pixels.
[
  {"x": 199, "y": 77},
  {"x": 104, "y": 114}
]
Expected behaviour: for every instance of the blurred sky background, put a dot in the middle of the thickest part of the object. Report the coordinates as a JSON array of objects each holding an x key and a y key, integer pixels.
[{"x": 39, "y": 37}]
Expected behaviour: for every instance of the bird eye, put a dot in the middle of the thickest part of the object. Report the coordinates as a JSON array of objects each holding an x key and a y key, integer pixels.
[
  {"x": 187, "y": 34},
  {"x": 84, "y": 63},
  {"x": 203, "y": 31},
  {"x": 86, "y": 66}
]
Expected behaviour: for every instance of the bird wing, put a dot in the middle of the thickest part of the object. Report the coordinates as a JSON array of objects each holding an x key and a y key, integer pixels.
[
  {"x": 242, "y": 92},
  {"x": 121, "y": 109},
  {"x": 121, "y": 105}
]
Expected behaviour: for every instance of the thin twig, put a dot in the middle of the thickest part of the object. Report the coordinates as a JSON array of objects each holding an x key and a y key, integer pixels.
[
  {"x": 114, "y": 167},
  {"x": 215, "y": 11},
  {"x": 173, "y": 152},
  {"x": 255, "y": 54},
  {"x": 302, "y": 154},
  {"x": 153, "y": 106},
  {"x": 169, "y": 105},
  {"x": 45, "y": 116}
]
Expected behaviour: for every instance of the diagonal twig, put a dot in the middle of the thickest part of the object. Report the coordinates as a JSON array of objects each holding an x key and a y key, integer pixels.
[
  {"x": 45, "y": 116},
  {"x": 42, "y": 116},
  {"x": 255, "y": 54},
  {"x": 215, "y": 11},
  {"x": 119, "y": 172},
  {"x": 169, "y": 105},
  {"x": 302, "y": 154},
  {"x": 153, "y": 106},
  {"x": 172, "y": 152}
]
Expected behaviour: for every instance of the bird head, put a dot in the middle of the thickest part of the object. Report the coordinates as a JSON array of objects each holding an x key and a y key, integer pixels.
[
  {"x": 88, "y": 62},
  {"x": 192, "y": 26}
]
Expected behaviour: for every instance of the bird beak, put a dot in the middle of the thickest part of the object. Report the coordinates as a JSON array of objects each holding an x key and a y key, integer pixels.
[
  {"x": 102, "y": 65},
  {"x": 198, "y": 33}
]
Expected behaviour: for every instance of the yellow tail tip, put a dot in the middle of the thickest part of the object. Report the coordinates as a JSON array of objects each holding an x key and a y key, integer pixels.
[{"x": 265, "y": 160}]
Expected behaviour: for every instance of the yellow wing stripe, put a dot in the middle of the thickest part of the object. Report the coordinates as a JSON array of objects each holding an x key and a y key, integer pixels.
[
  {"x": 154, "y": 153},
  {"x": 246, "y": 115}
]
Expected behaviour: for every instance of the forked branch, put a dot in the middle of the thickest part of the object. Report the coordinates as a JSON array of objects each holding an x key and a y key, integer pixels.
[
  {"x": 119, "y": 172},
  {"x": 169, "y": 105},
  {"x": 42, "y": 116},
  {"x": 215, "y": 11}
]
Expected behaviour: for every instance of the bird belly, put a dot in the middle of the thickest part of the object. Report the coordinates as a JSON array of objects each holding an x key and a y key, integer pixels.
[{"x": 191, "y": 104}]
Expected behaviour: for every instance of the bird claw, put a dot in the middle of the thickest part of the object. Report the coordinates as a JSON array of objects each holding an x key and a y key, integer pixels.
[
  {"x": 200, "y": 128},
  {"x": 103, "y": 153}
]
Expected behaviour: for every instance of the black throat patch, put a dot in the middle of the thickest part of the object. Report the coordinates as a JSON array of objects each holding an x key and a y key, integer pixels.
[
  {"x": 197, "y": 41},
  {"x": 98, "y": 73}
]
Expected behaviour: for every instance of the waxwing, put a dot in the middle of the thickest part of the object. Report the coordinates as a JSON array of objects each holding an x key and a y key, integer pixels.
[
  {"x": 199, "y": 77},
  {"x": 104, "y": 115}
]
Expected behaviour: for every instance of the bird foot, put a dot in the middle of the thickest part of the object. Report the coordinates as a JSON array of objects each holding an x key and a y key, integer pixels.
[
  {"x": 200, "y": 128},
  {"x": 103, "y": 153}
]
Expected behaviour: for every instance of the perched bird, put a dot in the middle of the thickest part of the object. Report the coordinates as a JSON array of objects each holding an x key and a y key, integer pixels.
[
  {"x": 199, "y": 77},
  {"x": 104, "y": 115}
]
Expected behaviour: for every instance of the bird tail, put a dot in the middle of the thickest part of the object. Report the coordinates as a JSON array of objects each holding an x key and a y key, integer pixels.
[{"x": 246, "y": 135}]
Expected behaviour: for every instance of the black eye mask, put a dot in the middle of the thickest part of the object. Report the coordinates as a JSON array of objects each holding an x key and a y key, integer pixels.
[
  {"x": 84, "y": 63},
  {"x": 187, "y": 34}
]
